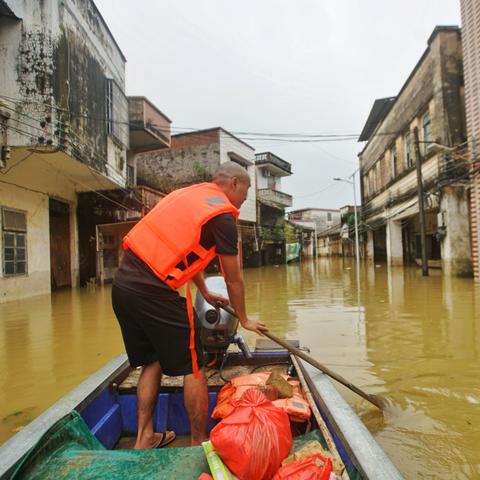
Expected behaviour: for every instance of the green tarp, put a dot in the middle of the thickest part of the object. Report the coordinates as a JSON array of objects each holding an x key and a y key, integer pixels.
[
  {"x": 70, "y": 451},
  {"x": 293, "y": 251}
]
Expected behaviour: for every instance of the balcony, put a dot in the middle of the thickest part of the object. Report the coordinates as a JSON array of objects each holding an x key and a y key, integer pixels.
[
  {"x": 149, "y": 127},
  {"x": 278, "y": 199},
  {"x": 276, "y": 166}
]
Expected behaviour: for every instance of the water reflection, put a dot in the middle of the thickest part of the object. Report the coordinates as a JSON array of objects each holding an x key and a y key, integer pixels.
[{"x": 410, "y": 339}]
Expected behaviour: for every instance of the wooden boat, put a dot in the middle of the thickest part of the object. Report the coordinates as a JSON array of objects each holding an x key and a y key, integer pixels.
[{"x": 84, "y": 435}]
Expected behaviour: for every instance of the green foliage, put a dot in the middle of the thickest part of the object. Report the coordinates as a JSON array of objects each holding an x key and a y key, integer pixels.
[{"x": 200, "y": 172}]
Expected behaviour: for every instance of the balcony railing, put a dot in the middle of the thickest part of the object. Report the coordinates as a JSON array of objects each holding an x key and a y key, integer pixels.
[
  {"x": 274, "y": 196},
  {"x": 269, "y": 158},
  {"x": 149, "y": 127}
]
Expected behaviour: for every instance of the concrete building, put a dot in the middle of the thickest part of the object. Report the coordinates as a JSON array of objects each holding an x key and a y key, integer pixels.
[
  {"x": 192, "y": 158},
  {"x": 64, "y": 130},
  {"x": 322, "y": 218},
  {"x": 431, "y": 101},
  {"x": 471, "y": 54},
  {"x": 299, "y": 238},
  {"x": 330, "y": 242},
  {"x": 104, "y": 217},
  {"x": 271, "y": 204}
]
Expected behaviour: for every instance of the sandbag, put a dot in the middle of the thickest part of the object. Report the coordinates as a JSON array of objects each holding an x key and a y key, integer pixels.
[
  {"x": 314, "y": 467},
  {"x": 296, "y": 406},
  {"x": 254, "y": 439}
]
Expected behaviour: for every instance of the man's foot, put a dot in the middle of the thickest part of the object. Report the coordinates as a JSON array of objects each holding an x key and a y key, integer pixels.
[{"x": 158, "y": 440}]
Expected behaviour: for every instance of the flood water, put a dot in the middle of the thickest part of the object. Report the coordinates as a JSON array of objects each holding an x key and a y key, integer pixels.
[{"x": 413, "y": 340}]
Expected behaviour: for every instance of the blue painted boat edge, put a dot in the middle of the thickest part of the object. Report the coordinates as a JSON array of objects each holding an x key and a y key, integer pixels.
[
  {"x": 13, "y": 450},
  {"x": 363, "y": 450}
]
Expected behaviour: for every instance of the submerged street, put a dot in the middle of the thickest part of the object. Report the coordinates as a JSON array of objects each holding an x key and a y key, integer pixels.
[{"x": 413, "y": 340}]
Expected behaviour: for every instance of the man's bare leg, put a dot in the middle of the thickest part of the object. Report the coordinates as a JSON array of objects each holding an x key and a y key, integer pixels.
[
  {"x": 195, "y": 397},
  {"x": 147, "y": 393}
]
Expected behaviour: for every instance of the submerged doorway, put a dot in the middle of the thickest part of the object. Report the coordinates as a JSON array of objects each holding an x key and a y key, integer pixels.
[{"x": 60, "y": 272}]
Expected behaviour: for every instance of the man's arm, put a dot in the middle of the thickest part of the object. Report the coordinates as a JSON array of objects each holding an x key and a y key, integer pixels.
[
  {"x": 236, "y": 292},
  {"x": 211, "y": 297}
]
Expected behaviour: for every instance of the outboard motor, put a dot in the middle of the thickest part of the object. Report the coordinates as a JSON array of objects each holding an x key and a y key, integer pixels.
[{"x": 219, "y": 328}]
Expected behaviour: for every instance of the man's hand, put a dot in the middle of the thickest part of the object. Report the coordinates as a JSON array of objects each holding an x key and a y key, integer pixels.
[
  {"x": 212, "y": 298},
  {"x": 257, "y": 327}
]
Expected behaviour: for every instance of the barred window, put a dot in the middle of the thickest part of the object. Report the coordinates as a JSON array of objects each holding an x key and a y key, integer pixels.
[
  {"x": 14, "y": 238},
  {"x": 116, "y": 112}
]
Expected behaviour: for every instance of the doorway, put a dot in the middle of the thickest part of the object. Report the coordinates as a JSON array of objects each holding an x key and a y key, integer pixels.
[{"x": 60, "y": 272}]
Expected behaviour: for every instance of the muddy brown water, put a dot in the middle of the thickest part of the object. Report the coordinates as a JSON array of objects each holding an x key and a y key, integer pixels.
[{"x": 413, "y": 340}]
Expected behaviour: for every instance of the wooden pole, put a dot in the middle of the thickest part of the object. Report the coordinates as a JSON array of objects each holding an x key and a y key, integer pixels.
[
  {"x": 377, "y": 401},
  {"x": 421, "y": 205}
]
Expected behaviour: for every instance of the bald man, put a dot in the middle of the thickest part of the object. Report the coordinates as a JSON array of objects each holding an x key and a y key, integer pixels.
[{"x": 153, "y": 317}]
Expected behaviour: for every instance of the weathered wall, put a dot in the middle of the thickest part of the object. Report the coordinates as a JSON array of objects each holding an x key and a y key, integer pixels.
[
  {"x": 167, "y": 170},
  {"x": 55, "y": 61},
  {"x": 434, "y": 87},
  {"x": 389, "y": 182},
  {"x": 193, "y": 158},
  {"x": 319, "y": 216},
  {"x": 38, "y": 248},
  {"x": 268, "y": 181},
  {"x": 456, "y": 247},
  {"x": 59, "y": 57},
  {"x": 228, "y": 145}
]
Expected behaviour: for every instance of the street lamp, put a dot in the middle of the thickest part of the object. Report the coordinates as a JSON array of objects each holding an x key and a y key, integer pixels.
[{"x": 352, "y": 182}]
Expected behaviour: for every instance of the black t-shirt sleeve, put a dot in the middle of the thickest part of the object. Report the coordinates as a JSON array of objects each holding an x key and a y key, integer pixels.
[{"x": 221, "y": 231}]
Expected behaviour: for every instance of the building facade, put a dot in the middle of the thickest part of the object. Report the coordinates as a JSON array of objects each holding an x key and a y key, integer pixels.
[
  {"x": 471, "y": 54},
  {"x": 424, "y": 122},
  {"x": 271, "y": 204},
  {"x": 104, "y": 217},
  {"x": 321, "y": 218},
  {"x": 63, "y": 129}
]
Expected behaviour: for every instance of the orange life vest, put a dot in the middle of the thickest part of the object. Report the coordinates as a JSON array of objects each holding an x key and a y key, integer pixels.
[{"x": 171, "y": 231}]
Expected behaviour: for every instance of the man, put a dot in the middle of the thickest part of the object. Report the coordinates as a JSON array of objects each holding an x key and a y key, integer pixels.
[{"x": 169, "y": 247}]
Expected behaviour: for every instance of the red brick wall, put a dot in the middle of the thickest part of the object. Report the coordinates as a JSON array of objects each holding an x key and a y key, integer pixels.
[
  {"x": 471, "y": 55},
  {"x": 195, "y": 138}
]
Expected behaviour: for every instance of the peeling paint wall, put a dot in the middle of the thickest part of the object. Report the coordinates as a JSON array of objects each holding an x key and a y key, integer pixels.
[
  {"x": 434, "y": 90},
  {"x": 193, "y": 158},
  {"x": 56, "y": 62},
  {"x": 59, "y": 58},
  {"x": 167, "y": 170}
]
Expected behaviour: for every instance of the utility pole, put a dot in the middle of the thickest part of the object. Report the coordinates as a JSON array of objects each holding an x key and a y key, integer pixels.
[
  {"x": 357, "y": 245},
  {"x": 421, "y": 206}
]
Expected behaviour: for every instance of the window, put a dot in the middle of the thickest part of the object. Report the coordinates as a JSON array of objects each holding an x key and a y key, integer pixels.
[
  {"x": 130, "y": 175},
  {"x": 109, "y": 107},
  {"x": 116, "y": 112},
  {"x": 408, "y": 150},
  {"x": 329, "y": 216},
  {"x": 14, "y": 236},
  {"x": 427, "y": 132},
  {"x": 394, "y": 155}
]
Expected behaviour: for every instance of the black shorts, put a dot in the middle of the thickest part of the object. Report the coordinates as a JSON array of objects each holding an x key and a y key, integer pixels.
[{"x": 155, "y": 328}]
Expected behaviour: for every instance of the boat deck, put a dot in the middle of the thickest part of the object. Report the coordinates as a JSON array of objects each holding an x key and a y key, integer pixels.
[{"x": 215, "y": 382}]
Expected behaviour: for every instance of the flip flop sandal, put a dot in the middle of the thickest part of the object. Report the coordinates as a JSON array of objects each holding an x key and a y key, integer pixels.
[{"x": 165, "y": 441}]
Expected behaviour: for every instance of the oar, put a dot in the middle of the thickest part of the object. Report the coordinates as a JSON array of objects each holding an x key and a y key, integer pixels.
[{"x": 377, "y": 401}]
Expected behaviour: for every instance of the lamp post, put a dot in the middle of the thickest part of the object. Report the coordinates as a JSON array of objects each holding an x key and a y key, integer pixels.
[{"x": 357, "y": 248}]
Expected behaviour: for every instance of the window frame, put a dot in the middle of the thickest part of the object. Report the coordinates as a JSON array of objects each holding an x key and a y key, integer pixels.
[
  {"x": 394, "y": 159},
  {"x": 16, "y": 233},
  {"x": 427, "y": 146},
  {"x": 408, "y": 150}
]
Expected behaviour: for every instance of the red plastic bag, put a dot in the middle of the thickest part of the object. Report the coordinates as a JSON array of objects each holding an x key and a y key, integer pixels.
[
  {"x": 254, "y": 439},
  {"x": 306, "y": 469}
]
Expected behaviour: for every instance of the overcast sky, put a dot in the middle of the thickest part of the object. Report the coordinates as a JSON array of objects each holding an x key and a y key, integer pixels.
[{"x": 304, "y": 66}]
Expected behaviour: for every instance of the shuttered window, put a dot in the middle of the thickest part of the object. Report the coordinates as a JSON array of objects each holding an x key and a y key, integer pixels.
[{"x": 14, "y": 242}]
